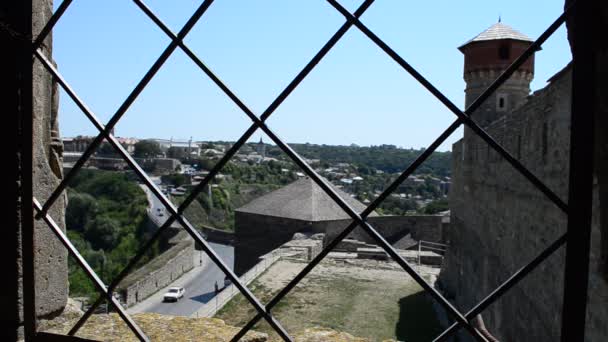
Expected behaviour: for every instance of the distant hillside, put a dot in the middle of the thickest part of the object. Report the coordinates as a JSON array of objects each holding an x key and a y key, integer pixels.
[
  {"x": 363, "y": 172},
  {"x": 387, "y": 158}
]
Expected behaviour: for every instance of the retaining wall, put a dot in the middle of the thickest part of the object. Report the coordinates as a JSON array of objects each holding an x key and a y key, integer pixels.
[
  {"x": 158, "y": 273},
  {"x": 218, "y": 236}
]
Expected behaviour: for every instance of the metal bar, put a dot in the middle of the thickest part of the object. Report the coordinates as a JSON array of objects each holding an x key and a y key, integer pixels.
[
  {"x": 170, "y": 207},
  {"x": 372, "y": 206},
  {"x": 235, "y": 280},
  {"x": 274, "y": 106},
  {"x": 196, "y": 60},
  {"x": 89, "y": 271},
  {"x": 412, "y": 167},
  {"x": 58, "y": 77},
  {"x": 140, "y": 253},
  {"x": 286, "y": 91},
  {"x": 126, "y": 104},
  {"x": 535, "y": 46},
  {"x": 484, "y": 96},
  {"x": 428, "y": 288},
  {"x": 309, "y": 267},
  {"x": 504, "y": 287},
  {"x": 471, "y": 109},
  {"x": 292, "y": 85},
  {"x": 86, "y": 316},
  {"x": 68, "y": 89},
  {"x": 214, "y": 171},
  {"x": 51, "y": 23},
  {"x": 334, "y": 39},
  {"x": 283, "y": 95},
  {"x": 580, "y": 188},
  {"x": 196, "y": 235},
  {"x": 348, "y": 210},
  {"x": 454, "y": 109},
  {"x": 125, "y": 155}
]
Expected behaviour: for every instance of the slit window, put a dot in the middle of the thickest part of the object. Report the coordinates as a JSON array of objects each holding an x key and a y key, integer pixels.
[{"x": 501, "y": 102}]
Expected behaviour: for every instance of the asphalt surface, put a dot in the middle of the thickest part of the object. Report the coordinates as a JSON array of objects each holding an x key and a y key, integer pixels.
[
  {"x": 157, "y": 212},
  {"x": 199, "y": 284}
]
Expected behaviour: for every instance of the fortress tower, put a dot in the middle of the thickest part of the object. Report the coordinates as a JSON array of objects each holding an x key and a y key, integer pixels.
[{"x": 485, "y": 57}]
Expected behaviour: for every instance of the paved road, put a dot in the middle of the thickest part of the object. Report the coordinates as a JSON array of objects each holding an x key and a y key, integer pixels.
[
  {"x": 156, "y": 208},
  {"x": 199, "y": 284}
]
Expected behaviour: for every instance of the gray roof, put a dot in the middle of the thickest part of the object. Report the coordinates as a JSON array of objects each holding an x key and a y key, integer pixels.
[
  {"x": 302, "y": 200},
  {"x": 499, "y": 31}
]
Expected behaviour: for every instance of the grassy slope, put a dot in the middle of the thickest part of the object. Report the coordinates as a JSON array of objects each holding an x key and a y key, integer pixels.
[{"x": 378, "y": 310}]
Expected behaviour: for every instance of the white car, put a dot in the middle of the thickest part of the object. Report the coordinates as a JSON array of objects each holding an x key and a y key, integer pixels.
[{"x": 174, "y": 294}]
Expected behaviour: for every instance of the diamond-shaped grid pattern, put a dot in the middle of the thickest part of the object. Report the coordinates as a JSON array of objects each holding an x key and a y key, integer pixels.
[{"x": 359, "y": 219}]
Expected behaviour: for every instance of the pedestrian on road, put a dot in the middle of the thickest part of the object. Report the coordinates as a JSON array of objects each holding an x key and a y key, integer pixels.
[{"x": 217, "y": 289}]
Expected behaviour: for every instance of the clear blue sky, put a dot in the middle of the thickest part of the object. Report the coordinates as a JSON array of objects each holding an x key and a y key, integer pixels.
[{"x": 357, "y": 94}]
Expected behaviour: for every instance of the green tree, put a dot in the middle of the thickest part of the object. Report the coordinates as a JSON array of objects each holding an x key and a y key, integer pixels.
[
  {"x": 81, "y": 207},
  {"x": 175, "y": 179},
  {"x": 102, "y": 232},
  {"x": 176, "y": 152},
  {"x": 146, "y": 149}
]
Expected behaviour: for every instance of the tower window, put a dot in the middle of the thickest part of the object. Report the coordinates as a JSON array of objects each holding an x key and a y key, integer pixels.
[
  {"x": 501, "y": 102},
  {"x": 504, "y": 52}
]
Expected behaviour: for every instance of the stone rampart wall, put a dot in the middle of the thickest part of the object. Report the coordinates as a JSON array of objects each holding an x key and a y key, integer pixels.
[
  {"x": 158, "y": 273},
  {"x": 392, "y": 228},
  {"x": 257, "y": 235},
  {"x": 500, "y": 222}
]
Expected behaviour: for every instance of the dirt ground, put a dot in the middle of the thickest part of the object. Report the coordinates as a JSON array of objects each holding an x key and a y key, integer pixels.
[{"x": 366, "y": 298}]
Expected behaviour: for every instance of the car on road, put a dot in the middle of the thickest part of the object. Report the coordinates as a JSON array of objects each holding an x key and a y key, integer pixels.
[
  {"x": 174, "y": 294},
  {"x": 227, "y": 282}
]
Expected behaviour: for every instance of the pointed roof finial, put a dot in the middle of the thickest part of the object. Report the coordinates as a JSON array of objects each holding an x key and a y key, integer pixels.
[{"x": 499, "y": 18}]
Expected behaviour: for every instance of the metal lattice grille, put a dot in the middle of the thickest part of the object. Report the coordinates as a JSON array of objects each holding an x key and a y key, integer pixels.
[{"x": 259, "y": 122}]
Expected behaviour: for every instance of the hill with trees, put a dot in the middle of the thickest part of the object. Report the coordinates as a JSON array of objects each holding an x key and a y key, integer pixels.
[
  {"x": 106, "y": 220},
  {"x": 387, "y": 158}
]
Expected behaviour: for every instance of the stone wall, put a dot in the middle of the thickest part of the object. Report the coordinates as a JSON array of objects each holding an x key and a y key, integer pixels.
[
  {"x": 257, "y": 235},
  {"x": 158, "y": 273},
  {"x": 51, "y": 267},
  {"x": 500, "y": 222},
  {"x": 217, "y": 235},
  {"x": 392, "y": 228}
]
